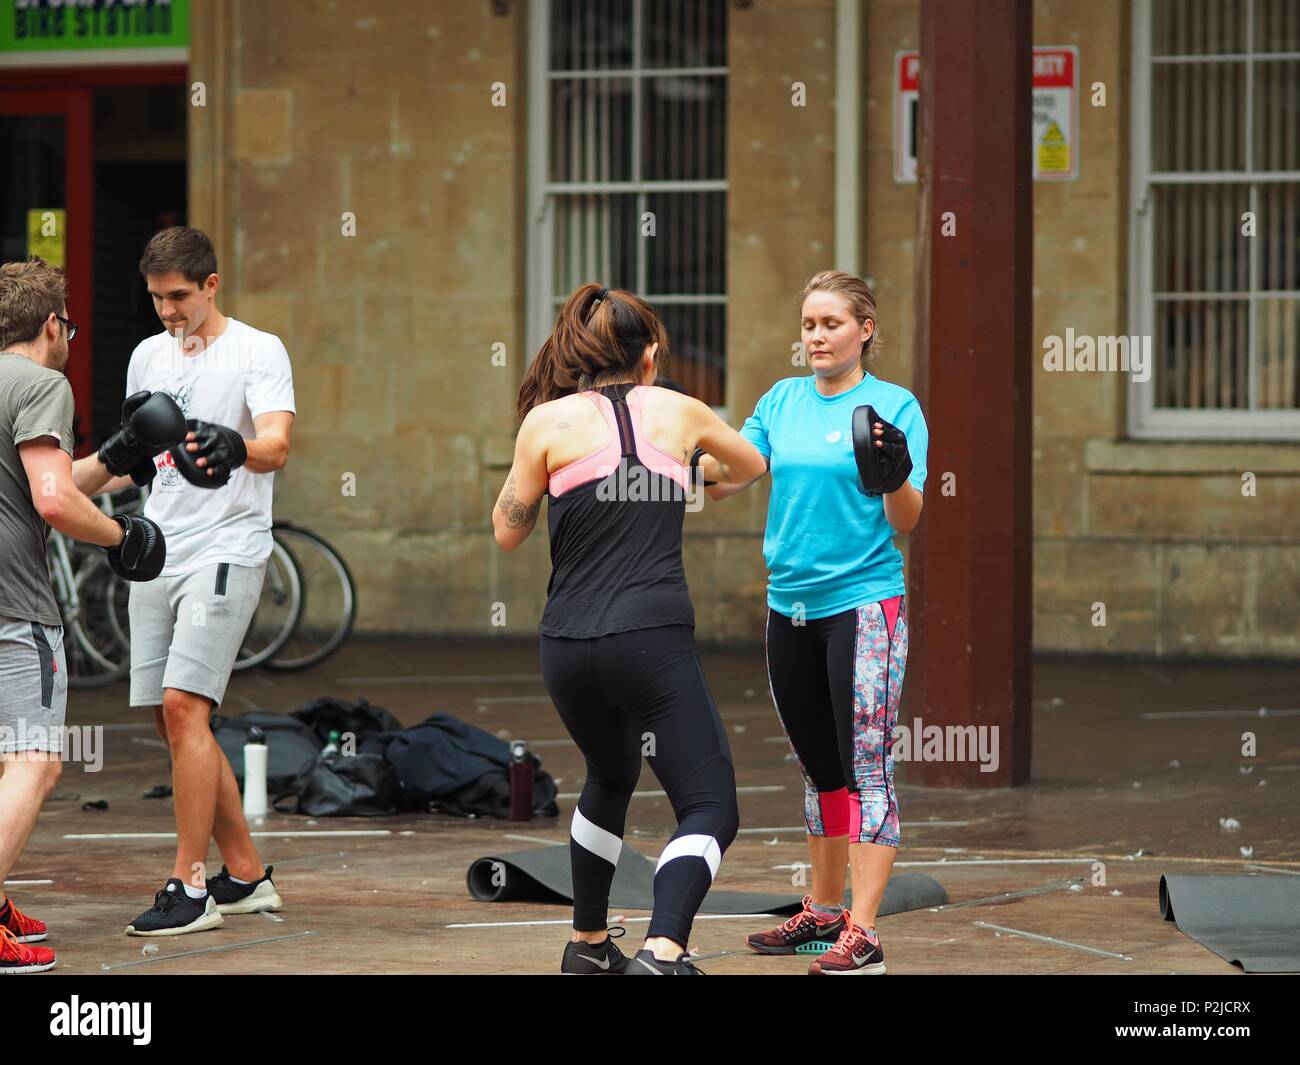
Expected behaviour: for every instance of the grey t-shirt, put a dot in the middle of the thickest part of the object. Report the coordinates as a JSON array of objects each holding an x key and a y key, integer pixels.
[{"x": 34, "y": 402}]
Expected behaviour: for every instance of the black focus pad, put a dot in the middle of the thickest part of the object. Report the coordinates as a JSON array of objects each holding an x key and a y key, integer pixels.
[
  {"x": 223, "y": 448},
  {"x": 880, "y": 469},
  {"x": 143, "y": 550}
]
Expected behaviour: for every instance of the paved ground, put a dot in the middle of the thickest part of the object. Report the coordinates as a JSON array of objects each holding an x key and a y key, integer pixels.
[{"x": 1142, "y": 795}]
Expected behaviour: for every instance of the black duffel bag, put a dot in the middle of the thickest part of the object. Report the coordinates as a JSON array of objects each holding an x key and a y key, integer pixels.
[
  {"x": 489, "y": 796},
  {"x": 361, "y": 719},
  {"x": 338, "y": 785}
]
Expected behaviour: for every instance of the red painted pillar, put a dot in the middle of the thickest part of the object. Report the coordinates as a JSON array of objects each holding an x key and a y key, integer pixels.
[{"x": 971, "y": 561}]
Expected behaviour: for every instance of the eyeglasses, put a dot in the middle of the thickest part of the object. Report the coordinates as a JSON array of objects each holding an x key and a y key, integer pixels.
[{"x": 69, "y": 324}]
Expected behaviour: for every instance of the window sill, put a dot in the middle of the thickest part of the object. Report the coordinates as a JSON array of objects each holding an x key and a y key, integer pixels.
[{"x": 1180, "y": 457}]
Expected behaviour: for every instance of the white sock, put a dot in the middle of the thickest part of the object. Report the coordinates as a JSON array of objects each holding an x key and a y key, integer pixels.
[
  {"x": 241, "y": 883},
  {"x": 194, "y": 892}
]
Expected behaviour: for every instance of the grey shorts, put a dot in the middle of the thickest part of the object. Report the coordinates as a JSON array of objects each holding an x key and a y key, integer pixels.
[
  {"x": 186, "y": 631},
  {"x": 33, "y": 686}
]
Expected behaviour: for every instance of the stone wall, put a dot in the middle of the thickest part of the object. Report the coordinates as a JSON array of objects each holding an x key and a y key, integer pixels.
[{"x": 329, "y": 108}]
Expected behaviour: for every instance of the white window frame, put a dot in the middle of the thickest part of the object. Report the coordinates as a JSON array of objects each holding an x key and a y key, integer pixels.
[
  {"x": 540, "y": 304},
  {"x": 1145, "y": 420}
]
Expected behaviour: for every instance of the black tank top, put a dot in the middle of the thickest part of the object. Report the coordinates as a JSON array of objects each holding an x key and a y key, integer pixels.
[{"x": 616, "y": 534}]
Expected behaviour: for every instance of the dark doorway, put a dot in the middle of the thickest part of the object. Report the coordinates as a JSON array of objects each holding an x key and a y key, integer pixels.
[
  {"x": 140, "y": 187},
  {"x": 98, "y": 155}
]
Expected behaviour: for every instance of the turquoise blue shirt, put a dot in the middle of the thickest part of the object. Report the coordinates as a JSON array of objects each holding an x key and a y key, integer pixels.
[{"x": 827, "y": 545}]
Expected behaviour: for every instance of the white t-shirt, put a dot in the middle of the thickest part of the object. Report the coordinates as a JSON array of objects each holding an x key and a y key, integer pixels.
[{"x": 240, "y": 376}]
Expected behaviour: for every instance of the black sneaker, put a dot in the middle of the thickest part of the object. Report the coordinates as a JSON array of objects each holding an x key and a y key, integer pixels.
[
  {"x": 595, "y": 959},
  {"x": 174, "y": 913},
  {"x": 256, "y": 897},
  {"x": 646, "y": 964}
]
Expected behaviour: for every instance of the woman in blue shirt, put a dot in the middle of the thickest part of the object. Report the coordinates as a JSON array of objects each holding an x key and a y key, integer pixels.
[{"x": 837, "y": 618}]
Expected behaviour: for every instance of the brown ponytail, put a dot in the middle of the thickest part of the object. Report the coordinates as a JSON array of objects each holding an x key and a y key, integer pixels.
[{"x": 600, "y": 336}]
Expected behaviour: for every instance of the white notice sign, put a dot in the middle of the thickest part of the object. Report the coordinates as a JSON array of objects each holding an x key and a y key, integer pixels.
[{"x": 1054, "y": 126}]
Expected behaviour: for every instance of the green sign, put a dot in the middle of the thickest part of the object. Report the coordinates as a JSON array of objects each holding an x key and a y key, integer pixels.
[{"x": 86, "y": 25}]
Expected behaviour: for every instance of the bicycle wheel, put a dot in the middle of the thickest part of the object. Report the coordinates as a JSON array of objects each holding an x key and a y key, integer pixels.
[
  {"x": 96, "y": 647},
  {"x": 277, "y": 613},
  {"x": 329, "y": 600}
]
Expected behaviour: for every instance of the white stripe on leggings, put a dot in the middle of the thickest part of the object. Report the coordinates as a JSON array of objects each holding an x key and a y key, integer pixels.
[
  {"x": 592, "y": 837},
  {"x": 705, "y": 847}
]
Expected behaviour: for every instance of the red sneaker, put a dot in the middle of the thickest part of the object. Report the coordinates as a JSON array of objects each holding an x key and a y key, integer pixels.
[
  {"x": 17, "y": 957},
  {"x": 856, "y": 953},
  {"x": 804, "y": 927},
  {"x": 23, "y": 928}
]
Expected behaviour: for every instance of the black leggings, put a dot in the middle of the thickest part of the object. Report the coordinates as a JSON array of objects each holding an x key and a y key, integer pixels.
[
  {"x": 621, "y": 696},
  {"x": 837, "y": 682}
]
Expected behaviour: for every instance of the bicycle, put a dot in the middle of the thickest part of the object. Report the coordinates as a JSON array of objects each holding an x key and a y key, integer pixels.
[
  {"x": 329, "y": 599},
  {"x": 278, "y": 610},
  {"x": 96, "y": 647},
  {"x": 306, "y": 611}
]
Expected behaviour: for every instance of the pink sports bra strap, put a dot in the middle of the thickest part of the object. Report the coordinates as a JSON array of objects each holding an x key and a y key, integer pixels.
[
  {"x": 598, "y": 464},
  {"x": 620, "y": 417}
]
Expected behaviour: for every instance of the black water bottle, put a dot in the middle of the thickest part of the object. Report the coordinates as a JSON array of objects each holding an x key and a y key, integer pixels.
[{"x": 521, "y": 782}]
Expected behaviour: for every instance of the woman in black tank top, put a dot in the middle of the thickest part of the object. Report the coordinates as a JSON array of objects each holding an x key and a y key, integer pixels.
[
  {"x": 616, "y": 539},
  {"x": 618, "y": 649}
]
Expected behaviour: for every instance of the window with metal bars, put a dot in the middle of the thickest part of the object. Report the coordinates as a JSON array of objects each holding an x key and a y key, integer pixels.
[
  {"x": 627, "y": 168},
  {"x": 1215, "y": 237}
]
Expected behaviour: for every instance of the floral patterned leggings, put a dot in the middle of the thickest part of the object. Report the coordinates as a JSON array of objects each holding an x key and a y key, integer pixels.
[{"x": 836, "y": 683}]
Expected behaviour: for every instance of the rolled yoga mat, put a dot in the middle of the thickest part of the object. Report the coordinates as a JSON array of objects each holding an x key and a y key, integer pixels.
[
  {"x": 1251, "y": 921},
  {"x": 543, "y": 875}
]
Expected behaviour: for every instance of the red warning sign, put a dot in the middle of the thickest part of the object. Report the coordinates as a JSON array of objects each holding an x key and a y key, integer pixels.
[{"x": 1055, "y": 123}]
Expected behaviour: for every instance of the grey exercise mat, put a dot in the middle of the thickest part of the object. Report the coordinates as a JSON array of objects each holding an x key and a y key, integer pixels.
[
  {"x": 1251, "y": 921},
  {"x": 543, "y": 875}
]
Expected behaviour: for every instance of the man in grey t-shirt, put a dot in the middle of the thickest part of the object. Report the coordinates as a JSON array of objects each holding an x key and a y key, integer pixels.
[
  {"x": 38, "y": 490},
  {"x": 35, "y": 402}
]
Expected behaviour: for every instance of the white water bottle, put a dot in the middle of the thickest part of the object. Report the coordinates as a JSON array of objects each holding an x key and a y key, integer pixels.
[{"x": 255, "y": 775}]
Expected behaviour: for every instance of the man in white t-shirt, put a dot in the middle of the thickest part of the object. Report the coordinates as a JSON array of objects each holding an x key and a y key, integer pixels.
[{"x": 212, "y": 498}]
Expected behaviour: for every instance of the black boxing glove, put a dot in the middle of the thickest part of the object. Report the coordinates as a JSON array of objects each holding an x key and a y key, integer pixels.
[
  {"x": 884, "y": 469},
  {"x": 151, "y": 422},
  {"x": 143, "y": 550},
  {"x": 223, "y": 448}
]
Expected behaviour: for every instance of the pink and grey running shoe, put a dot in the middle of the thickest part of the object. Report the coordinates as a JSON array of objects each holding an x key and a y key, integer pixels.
[
  {"x": 856, "y": 953},
  {"x": 803, "y": 928}
]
